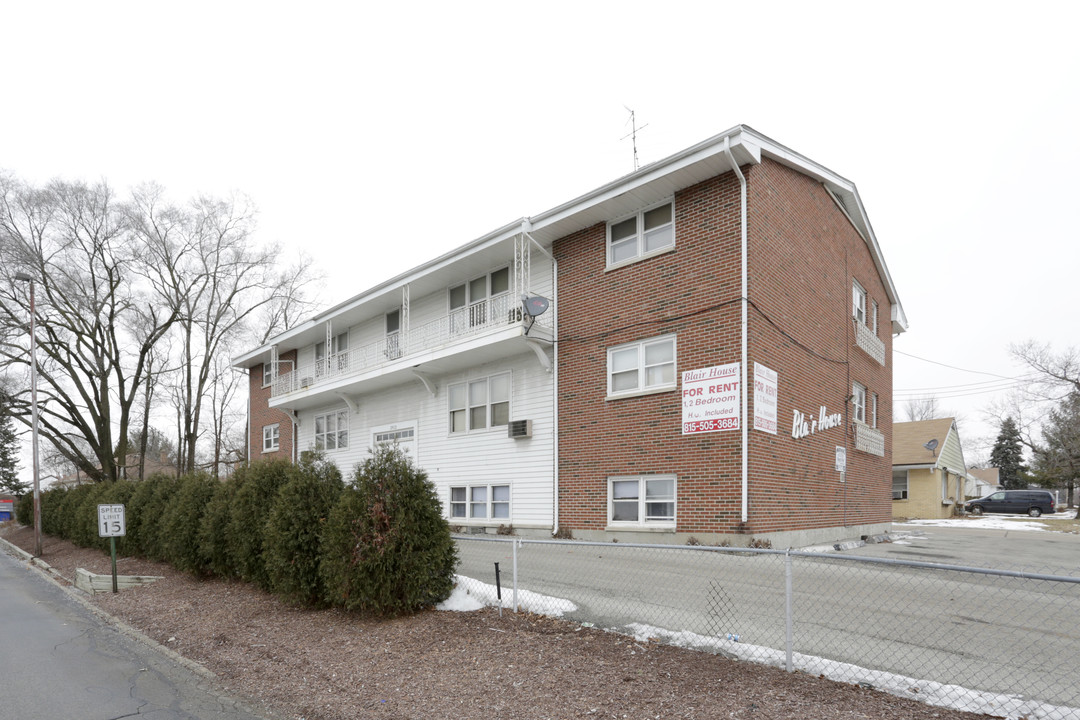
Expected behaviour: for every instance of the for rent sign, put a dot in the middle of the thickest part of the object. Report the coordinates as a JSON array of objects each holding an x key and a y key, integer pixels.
[
  {"x": 710, "y": 399},
  {"x": 765, "y": 394}
]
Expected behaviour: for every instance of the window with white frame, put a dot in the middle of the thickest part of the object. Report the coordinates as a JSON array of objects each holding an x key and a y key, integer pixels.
[
  {"x": 469, "y": 301},
  {"x": 332, "y": 430},
  {"x": 873, "y": 316},
  {"x": 267, "y": 374},
  {"x": 642, "y": 366},
  {"x": 388, "y": 437},
  {"x": 641, "y": 234},
  {"x": 899, "y": 485},
  {"x": 858, "y": 302},
  {"x": 271, "y": 437},
  {"x": 858, "y": 400},
  {"x": 873, "y": 410},
  {"x": 642, "y": 500},
  {"x": 480, "y": 502},
  {"x": 393, "y": 334},
  {"x": 339, "y": 357},
  {"x": 479, "y": 404}
]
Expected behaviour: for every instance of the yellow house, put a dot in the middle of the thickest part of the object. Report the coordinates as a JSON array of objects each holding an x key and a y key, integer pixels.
[{"x": 928, "y": 469}]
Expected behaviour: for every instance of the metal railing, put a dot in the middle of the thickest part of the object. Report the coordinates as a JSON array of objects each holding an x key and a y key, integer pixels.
[
  {"x": 999, "y": 642},
  {"x": 458, "y": 325}
]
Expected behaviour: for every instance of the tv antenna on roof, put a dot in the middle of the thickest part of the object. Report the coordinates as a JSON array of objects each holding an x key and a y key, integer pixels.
[{"x": 633, "y": 133}]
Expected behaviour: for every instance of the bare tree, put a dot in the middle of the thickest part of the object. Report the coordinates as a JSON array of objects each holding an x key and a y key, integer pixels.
[
  {"x": 1057, "y": 374},
  {"x": 925, "y": 408},
  {"x": 96, "y": 321},
  {"x": 225, "y": 286}
]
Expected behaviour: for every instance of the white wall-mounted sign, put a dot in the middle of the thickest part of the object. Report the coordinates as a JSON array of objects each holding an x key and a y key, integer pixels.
[
  {"x": 804, "y": 425},
  {"x": 765, "y": 395},
  {"x": 841, "y": 459},
  {"x": 710, "y": 399}
]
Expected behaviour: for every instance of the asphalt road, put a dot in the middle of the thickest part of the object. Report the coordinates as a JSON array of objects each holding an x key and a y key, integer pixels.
[
  {"x": 996, "y": 634},
  {"x": 60, "y": 660}
]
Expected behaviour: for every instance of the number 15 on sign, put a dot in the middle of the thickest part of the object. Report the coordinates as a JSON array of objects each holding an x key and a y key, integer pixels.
[{"x": 111, "y": 521}]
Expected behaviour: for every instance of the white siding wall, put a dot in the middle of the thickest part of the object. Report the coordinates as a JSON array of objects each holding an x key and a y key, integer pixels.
[{"x": 487, "y": 456}]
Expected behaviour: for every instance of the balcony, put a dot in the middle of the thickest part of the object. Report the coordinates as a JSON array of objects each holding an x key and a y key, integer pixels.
[
  {"x": 458, "y": 331},
  {"x": 869, "y": 440},
  {"x": 869, "y": 342}
]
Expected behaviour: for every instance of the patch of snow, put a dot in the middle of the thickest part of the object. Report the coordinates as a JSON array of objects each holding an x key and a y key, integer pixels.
[
  {"x": 985, "y": 522},
  {"x": 928, "y": 691},
  {"x": 471, "y": 594}
]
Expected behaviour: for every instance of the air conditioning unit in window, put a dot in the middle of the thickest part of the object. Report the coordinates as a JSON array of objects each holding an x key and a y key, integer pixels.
[{"x": 519, "y": 429}]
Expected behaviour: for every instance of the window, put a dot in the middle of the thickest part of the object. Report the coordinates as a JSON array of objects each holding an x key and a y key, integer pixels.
[
  {"x": 480, "y": 502},
  {"x": 332, "y": 430},
  {"x": 339, "y": 357},
  {"x": 267, "y": 374},
  {"x": 858, "y": 302},
  {"x": 393, "y": 334},
  {"x": 858, "y": 398},
  {"x": 271, "y": 437},
  {"x": 469, "y": 301},
  {"x": 645, "y": 232},
  {"x": 642, "y": 366},
  {"x": 899, "y": 485},
  {"x": 873, "y": 315},
  {"x": 644, "y": 499},
  {"x": 479, "y": 404},
  {"x": 873, "y": 410},
  {"x": 395, "y": 436}
]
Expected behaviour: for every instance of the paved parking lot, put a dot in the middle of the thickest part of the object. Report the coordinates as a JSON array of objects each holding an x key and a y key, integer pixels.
[
  {"x": 1019, "y": 548},
  {"x": 999, "y": 635}
]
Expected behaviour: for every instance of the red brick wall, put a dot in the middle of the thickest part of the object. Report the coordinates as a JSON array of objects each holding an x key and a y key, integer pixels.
[
  {"x": 801, "y": 251},
  {"x": 261, "y": 414},
  {"x": 803, "y": 255}
]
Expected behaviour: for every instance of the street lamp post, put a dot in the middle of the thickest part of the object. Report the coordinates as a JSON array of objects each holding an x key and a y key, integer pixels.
[{"x": 23, "y": 277}]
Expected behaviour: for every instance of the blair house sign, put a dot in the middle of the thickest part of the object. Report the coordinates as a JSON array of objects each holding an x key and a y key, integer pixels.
[{"x": 804, "y": 425}]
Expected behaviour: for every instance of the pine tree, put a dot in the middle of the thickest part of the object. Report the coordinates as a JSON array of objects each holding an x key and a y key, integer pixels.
[
  {"x": 1008, "y": 457},
  {"x": 9, "y": 455}
]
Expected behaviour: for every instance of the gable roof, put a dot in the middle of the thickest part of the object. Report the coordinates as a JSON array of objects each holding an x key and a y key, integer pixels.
[
  {"x": 740, "y": 145},
  {"x": 990, "y": 475},
  {"x": 909, "y": 439}
]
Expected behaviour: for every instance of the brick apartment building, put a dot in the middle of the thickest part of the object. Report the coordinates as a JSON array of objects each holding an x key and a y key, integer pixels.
[{"x": 717, "y": 341}]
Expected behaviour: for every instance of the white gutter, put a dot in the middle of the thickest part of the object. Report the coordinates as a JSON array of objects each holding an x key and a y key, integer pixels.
[{"x": 744, "y": 323}]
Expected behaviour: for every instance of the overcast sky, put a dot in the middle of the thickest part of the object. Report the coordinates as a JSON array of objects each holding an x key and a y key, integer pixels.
[{"x": 375, "y": 136}]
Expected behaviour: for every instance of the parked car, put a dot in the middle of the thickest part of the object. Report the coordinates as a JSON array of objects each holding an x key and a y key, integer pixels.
[{"x": 1032, "y": 502}]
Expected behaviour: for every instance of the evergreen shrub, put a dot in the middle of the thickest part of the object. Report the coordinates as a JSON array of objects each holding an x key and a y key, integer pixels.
[
  {"x": 182, "y": 519},
  {"x": 143, "y": 516},
  {"x": 214, "y": 525},
  {"x": 295, "y": 526},
  {"x": 387, "y": 548},
  {"x": 24, "y": 510},
  {"x": 247, "y": 517}
]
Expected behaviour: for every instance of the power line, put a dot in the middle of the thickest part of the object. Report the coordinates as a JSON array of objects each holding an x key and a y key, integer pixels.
[{"x": 953, "y": 367}]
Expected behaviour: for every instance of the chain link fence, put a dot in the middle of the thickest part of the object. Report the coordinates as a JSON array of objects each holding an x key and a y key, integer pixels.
[{"x": 998, "y": 642}]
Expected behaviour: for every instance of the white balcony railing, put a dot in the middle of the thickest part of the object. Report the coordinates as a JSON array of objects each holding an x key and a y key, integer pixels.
[
  {"x": 871, "y": 344},
  {"x": 459, "y": 325},
  {"x": 869, "y": 440}
]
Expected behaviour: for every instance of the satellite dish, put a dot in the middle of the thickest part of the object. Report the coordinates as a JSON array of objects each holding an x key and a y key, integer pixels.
[
  {"x": 931, "y": 446},
  {"x": 535, "y": 305}
]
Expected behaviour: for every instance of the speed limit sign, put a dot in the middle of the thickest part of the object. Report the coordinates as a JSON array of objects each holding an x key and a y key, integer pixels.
[{"x": 111, "y": 521}]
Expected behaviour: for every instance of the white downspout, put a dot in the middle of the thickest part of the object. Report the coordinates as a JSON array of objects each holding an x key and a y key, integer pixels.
[
  {"x": 526, "y": 226},
  {"x": 743, "y": 333},
  {"x": 555, "y": 389}
]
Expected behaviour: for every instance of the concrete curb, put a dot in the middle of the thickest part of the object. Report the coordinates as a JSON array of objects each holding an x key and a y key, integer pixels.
[{"x": 50, "y": 574}]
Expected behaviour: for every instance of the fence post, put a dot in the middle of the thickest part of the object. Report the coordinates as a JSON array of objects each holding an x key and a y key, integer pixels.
[
  {"x": 788, "y": 605},
  {"x": 515, "y": 542}
]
